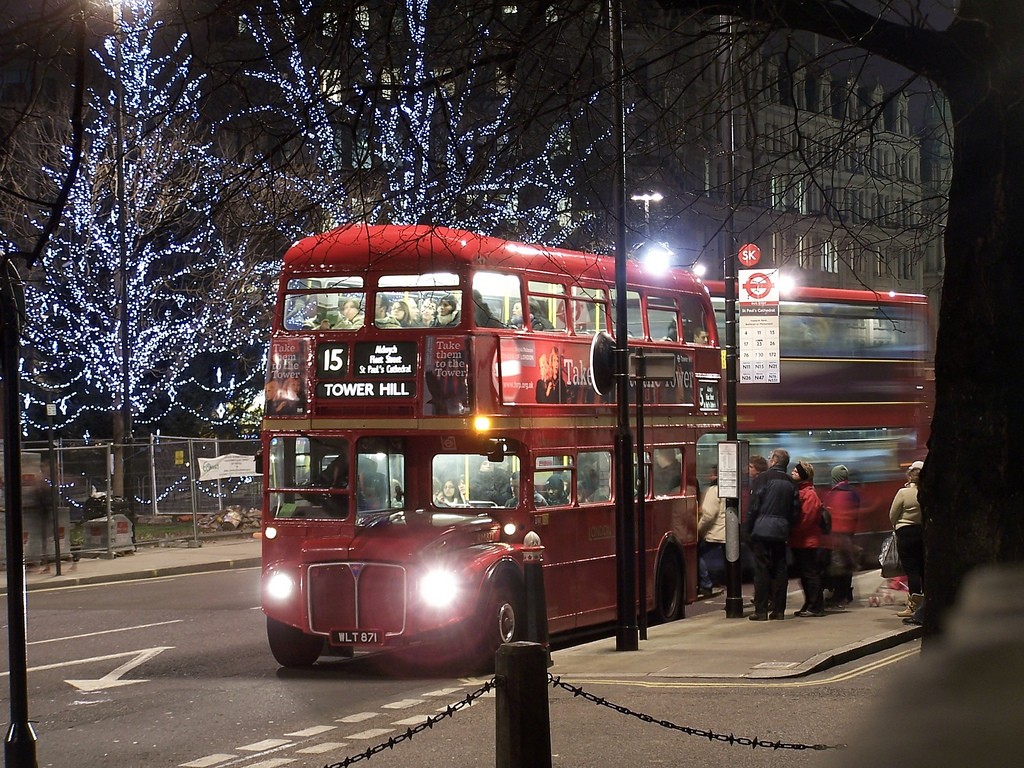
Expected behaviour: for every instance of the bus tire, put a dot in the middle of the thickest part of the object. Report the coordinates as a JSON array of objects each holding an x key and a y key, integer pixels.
[
  {"x": 500, "y": 621},
  {"x": 669, "y": 588},
  {"x": 291, "y": 647}
]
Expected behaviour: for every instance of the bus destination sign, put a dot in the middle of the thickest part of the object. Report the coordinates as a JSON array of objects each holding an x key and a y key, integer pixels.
[{"x": 390, "y": 365}]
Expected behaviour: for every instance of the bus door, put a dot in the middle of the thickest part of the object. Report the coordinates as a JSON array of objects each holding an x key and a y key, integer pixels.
[
  {"x": 555, "y": 520},
  {"x": 594, "y": 514}
]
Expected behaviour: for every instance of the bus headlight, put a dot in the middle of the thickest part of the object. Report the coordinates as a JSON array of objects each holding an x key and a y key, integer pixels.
[
  {"x": 280, "y": 586},
  {"x": 438, "y": 588}
]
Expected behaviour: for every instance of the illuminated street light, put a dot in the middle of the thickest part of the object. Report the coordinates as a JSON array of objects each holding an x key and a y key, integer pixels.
[
  {"x": 647, "y": 199},
  {"x": 657, "y": 259}
]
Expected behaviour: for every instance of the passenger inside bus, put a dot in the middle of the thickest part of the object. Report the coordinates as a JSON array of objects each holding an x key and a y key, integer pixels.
[
  {"x": 351, "y": 315},
  {"x": 372, "y": 493},
  {"x": 334, "y": 475},
  {"x": 483, "y": 317},
  {"x": 554, "y": 491},
  {"x": 450, "y": 495},
  {"x": 668, "y": 472},
  {"x": 448, "y": 314},
  {"x": 589, "y": 486},
  {"x": 401, "y": 314}
]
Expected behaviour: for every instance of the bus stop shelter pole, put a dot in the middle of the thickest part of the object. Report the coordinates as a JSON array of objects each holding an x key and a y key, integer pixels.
[
  {"x": 626, "y": 637},
  {"x": 733, "y": 566}
]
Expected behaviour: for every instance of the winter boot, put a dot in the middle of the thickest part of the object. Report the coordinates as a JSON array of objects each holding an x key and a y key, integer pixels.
[{"x": 913, "y": 603}]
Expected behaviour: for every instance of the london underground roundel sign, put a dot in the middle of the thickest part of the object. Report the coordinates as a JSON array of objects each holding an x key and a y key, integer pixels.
[{"x": 749, "y": 255}]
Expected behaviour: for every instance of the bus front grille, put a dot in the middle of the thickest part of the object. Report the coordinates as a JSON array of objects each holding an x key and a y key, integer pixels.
[{"x": 357, "y": 596}]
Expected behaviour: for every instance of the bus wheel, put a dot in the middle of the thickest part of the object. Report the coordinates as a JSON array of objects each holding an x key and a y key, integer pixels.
[
  {"x": 669, "y": 589},
  {"x": 292, "y": 648},
  {"x": 500, "y": 621}
]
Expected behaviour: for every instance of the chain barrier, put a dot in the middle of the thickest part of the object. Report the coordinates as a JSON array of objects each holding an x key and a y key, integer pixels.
[
  {"x": 393, "y": 741},
  {"x": 741, "y": 741}
]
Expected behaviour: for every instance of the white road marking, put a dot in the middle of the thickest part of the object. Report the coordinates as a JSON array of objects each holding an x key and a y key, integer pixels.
[
  {"x": 319, "y": 749},
  {"x": 273, "y": 763},
  {"x": 316, "y": 730},
  {"x": 441, "y": 692},
  {"x": 207, "y": 762},
  {"x": 113, "y": 679},
  {"x": 373, "y": 733},
  {"x": 411, "y": 720},
  {"x": 357, "y": 718},
  {"x": 262, "y": 746},
  {"x": 403, "y": 704},
  {"x": 104, "y": 632}
]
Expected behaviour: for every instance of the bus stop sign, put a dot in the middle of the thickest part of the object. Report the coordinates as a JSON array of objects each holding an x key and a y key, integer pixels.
[{"x": 749, "y": 255}]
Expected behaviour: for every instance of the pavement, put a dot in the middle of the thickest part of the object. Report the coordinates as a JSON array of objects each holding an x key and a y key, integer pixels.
[{"x": 706, "y": 644}]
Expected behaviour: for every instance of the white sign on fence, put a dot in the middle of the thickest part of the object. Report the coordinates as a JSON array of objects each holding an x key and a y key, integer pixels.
[{"x": 228, "y": 465}]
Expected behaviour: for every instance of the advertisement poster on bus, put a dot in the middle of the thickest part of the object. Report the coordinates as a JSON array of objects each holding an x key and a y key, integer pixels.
[
  {"x": 445, "y": 376},
  {"x": 286, "y": 377},
  {"x": 530, "y": 371}
]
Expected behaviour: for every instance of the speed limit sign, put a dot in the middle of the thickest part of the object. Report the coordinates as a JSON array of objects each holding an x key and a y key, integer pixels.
[{"x": 749, "y": 255}]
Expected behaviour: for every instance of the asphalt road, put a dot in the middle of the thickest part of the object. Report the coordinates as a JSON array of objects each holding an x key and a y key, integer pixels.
[{"x": 176, "y": 672}]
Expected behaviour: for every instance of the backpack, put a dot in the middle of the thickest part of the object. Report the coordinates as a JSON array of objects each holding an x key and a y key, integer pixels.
[{"x": 825, "y": 521}]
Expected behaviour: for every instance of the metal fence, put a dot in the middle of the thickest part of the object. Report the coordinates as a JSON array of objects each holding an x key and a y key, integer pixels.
[{"x": 165, "y": 501}]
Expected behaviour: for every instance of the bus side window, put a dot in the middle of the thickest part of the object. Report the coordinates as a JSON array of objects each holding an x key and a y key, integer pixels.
[
  {"x": 695, "y": 323},
  {"x": 554, "y": 480},
  {"x": 593, "y": 482},
  {"x": 634, "y": 314},
  {"x": 667, "y": 472}
]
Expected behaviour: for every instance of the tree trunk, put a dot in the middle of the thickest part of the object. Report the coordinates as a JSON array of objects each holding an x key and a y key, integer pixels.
[{"x": 971, "y": 492}]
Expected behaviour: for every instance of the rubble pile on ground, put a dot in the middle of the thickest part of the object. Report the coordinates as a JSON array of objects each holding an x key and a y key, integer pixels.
[{"x": 231, "y": 518}]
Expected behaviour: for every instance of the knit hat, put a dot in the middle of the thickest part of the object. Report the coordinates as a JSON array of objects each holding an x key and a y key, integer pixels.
[{"x": 840, "y": 474}]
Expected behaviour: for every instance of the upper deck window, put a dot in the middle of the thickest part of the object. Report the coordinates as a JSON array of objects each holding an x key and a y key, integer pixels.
[
  {"x": 662, "y": 318},
  {"x": 547, "y": 306},
  {"x": 588, "y": 308},
  {"x": 324, "y": 303},
  {"x": 497, "y": 300},
  {"x": 634, "y": 315},
  {"x": 428, "y": 300}
]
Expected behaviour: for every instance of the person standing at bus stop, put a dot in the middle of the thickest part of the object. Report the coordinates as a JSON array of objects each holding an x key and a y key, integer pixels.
[
  {"x": 843, "y": 503},
  {"x": 711, "y": 538},
  {"x": 774, "y": 505},
  {"x": 805, "y": 539},
  {"x": 908, "y": 523}
]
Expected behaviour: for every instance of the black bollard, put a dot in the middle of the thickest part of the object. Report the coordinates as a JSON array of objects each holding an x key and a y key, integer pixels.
[
  {"x": 536, "y": 603},
  {"x": 522, "y": 727}
]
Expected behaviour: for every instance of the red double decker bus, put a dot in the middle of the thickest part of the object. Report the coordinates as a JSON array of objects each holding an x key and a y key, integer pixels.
[
  {"x": 856, "y": 387},
  {"x": 429, "y": 403}
]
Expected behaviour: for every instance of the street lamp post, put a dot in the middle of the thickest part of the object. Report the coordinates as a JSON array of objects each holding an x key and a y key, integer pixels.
[
  {"x": 626, "y": 632},
  {"x": 647, "y": 198},
  {"x": 123, "y": 422}
]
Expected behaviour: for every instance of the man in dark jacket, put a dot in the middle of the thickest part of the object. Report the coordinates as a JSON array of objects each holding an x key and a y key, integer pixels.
[{"x": 774, "y": 505}]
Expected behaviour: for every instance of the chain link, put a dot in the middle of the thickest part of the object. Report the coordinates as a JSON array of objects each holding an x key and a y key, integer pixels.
[
  {"x": 556, "y": 682},
  {"x": 728, "y": 738},
  {"x": 393, "y": 741}
]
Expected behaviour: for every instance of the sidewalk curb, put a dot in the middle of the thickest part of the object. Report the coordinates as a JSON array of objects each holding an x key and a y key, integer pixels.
[
  {"x": 844, "y": 654},
  {"x": 144, "y": 573}
]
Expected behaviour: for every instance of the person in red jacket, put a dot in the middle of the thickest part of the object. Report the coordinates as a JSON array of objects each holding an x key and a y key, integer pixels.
[
  {"x": 805, "y": 540},
  {"x": 843, "y": 503}
]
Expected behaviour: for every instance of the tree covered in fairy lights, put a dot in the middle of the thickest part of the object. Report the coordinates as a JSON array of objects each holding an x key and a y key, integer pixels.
[
  {"x": 195, "y": 300},
  {"x": 402, "y": 121},
  {"x": 388, "y": 116}
]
